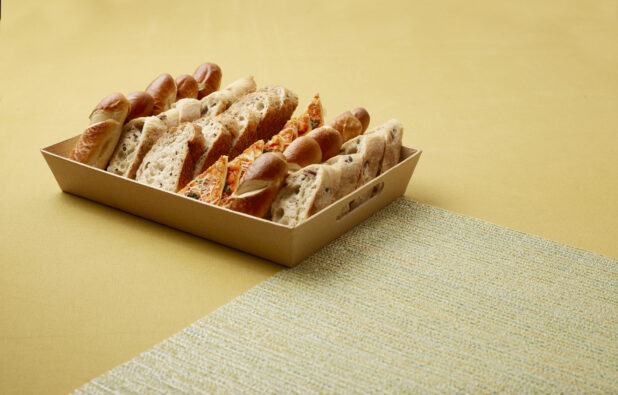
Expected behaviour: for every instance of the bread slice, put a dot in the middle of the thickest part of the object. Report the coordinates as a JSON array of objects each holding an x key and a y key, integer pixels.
[
  {"x": 188, "y": 109},
  {"x": 170, "y": 117},
  {"x": 392, "y": 133},
  {"x": 170, "y": 164},
  {"x": 208, "y": 186},
  {"x": 137, "y": 138},
  {"x": 248, "y": 120},
  {"x": 218, "y": 136},
  {"x": 351, "y": 167},
  {"x": 267, "y": 105},
  {"x": 288, "y": 101},
  {"x": 241, "y": 87},
  {"x": 306, "y": 192},
  {"x": 215, "y": 103},
  {"x": 371, "y": 149}
]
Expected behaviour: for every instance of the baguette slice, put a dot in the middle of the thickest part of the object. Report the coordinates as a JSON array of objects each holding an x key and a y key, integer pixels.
[
  {"x": 241, "y": 87},
  {"x": 267, "y": 105},
  {"x": 170, "y": 117},
  {"x": 188, "y": 109},
  {"x": 392, "y": 133},
  {"x": 208, "y": 186},
  {"x": 215, "y": 103},
  {"x": 305, "y": 192},
  {"x": 218, "y": 136},
  {"x": 170, "y": 163},
  {"x": 288, "y": 101},
  {"x": 248, "y": 121},
  {"x": 138, "y": 137}
]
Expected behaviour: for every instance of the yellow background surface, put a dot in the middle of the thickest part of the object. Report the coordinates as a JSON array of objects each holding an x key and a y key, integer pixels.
[{"x": 514, "y": 104}]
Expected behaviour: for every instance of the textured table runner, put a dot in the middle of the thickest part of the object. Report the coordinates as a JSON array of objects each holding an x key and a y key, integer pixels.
[{"x": 415, "y": 299}]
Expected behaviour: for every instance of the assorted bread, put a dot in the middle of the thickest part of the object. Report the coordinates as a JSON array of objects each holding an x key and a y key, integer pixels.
[{"x": 238, "y": 147}]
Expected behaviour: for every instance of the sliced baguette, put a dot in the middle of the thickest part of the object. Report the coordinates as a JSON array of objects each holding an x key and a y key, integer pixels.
[
  {"x": 288, "y": 101},
  {"x": 248, "y": 120},
  {"x": 138, "y": 137},
  {"x": 305, "y": 192},
  {"x": 218, "y": 136},
  {"x": 392, "y": 133},
  {"x": 267, "y": 105},
  {"x": 170, "y": 163}
]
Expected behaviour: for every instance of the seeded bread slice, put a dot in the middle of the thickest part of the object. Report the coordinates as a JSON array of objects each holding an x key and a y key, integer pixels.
[
  {"x": 170, "y": 163},
  {"x": 392, "y": 133},
  {"x": 351, "y": 167},
  {"x": 218, "y": 137},
  {"x": 137, "y": 138},
  {"x": 306, "y": 192}
]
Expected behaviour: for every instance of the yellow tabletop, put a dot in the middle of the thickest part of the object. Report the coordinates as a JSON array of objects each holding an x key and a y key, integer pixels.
[{"x": 515, "y": 105}]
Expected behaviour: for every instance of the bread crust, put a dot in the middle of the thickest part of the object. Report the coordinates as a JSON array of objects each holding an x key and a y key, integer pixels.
[
  {"x": 347, "y": 125},
  {"x": 187, "y": 87},
  {"x": 363, "y": 116},
  {"x": 141, "y": 104},
  {"x": 260, "y": 185},
  {"x": 392, "y": 133},
  {"x": 189, "y": 110},
  {"x": 328, "y": 139},
  {"x": 208, "y": 77},
  {"x": 113, "y": 106},
  {"x": 163, "y": 92},
  {"x": 96, "y": 144},
  {"x": 303, "y": 152},
  {"x": 241, "y": 87}
]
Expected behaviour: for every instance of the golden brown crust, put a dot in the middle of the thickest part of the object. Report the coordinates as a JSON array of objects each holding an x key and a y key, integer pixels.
[
  {"x": 363, "y": 116},
  {"x": 303, "y": 151},
  {"x": 329, "y": 139},
  {"x": 96, "y": 144},
  {"x": 187, "y": 87},
  {"x": 163, "y": 92},
  {"x": 141, "y": 104},
  {"x": 208, "y": 77},
  {"x": 113, "y": 106},
  {"x": 348, "y": 125},
  {"x": 260, "y": 185}
]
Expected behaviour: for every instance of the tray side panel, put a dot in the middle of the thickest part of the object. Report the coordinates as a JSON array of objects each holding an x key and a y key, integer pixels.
[
  {"x": 327, "y": 225},
  {"x": 255, "y": 236}
]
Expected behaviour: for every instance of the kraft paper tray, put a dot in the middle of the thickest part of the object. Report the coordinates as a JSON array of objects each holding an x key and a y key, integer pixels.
[{"x": 282, "y": 244}]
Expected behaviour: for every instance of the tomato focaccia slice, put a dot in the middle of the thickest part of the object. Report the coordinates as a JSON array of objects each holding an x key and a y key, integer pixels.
[
  {"x": 280, "y": 141},
  {"x": 208, "y": 186},
  {"x": 311, "y": 118},
  {"x": 238, "y": 167}
]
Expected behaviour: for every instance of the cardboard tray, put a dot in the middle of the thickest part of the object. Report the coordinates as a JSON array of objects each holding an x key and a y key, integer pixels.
[{"x": 282, "y": 244}]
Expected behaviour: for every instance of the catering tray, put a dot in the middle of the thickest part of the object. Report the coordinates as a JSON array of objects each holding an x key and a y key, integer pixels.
[{"x": 282, "y": 244}]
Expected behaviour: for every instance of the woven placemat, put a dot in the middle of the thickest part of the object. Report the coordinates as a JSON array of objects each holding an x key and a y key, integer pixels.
[{"x": 415, "y": 299}]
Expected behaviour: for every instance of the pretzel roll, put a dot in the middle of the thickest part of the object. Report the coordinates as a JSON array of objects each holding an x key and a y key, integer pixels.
[
  {"x": 303, "y": 151},
  {"x": 363, "y": 116},
  {"x": 329, "y": 139},
  {"x": 208, "y": 77},
  {"x": 348, "y": 125},
  {"x": 163, "y": 91},
  {"x": 260, "y": 185},
  {"x": 141, "y": 105},
  {"x": 187, "y": 87},
  {"x": 114, "y": 106}
]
